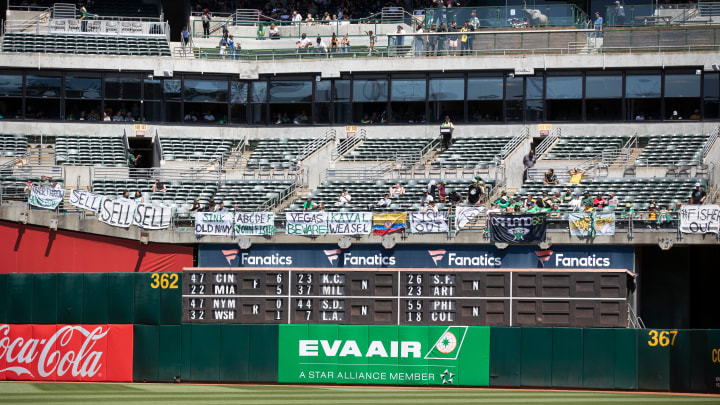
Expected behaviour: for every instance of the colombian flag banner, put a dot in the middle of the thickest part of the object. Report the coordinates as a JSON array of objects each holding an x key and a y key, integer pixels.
[{"x": 388, "y": 223}]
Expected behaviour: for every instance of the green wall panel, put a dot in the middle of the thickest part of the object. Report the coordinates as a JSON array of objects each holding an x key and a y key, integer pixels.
[
  {"x": 598, "y": 358},
  {"x": 653, "y": 363},
  {"x": 120, "y": 298},
  {"x": 711, "y": 357},
  {"x": 170, "y": 352},
  {"x": 3, "y": 298},
  {"x": 536, "y": 347},
  {"x": 567, "y": 357},
  {"x": 147, "y": 300},
  {"x": 44, "y": 296},
  {"x": 19, "y": 298},
  {"x": 205, "y": 353},
  {"x": 146, "y": 354},
  {"x": 186, "y": 346},
  {"x": 171, "y": 302},
  {"x": 95, "y": 300},
  {"x": 235, "y": 352},
  {"x": 263, "y": 358},
  {"x": 505, "y": 358},
  {"x": 700, "y": 360},
  {"x": 680, "y": 366},
  {"x": 626, "y": 362},
  {"x": 70, "y": 297}
]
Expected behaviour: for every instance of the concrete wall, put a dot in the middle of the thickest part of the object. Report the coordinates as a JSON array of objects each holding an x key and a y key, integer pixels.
[
  {"x": 514, "y": 164},
  {"x": 316, "y": 164},
  {"x": 713, "y": 158}
]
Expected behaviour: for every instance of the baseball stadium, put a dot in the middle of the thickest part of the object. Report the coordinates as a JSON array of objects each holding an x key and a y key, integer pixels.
[{"x": 335, "y": 202}]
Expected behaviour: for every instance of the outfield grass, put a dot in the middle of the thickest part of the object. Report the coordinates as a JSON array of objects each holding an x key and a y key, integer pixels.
[{"x": 85, "y": 393}]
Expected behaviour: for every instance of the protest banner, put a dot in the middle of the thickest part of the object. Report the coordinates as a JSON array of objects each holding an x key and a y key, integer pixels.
[
  {"x": 86, "y": 200},
  {"x": 467, "y": 215},
  {"x": 306, "y": 223},
  {"x": 254, "y": 223},
  {"x": 591, "y": 224},
  {"x": 214, "y": 223},
  {"x": 349, "y": 223},
  {"x": 510, "y": 228},
  {"x": 700, "y": 219},
  {"x": 45, "y": 197},
  {"x": 388, "y": 223},
  {"x": 117, "y": 212},
  {"x": 152, "y": 216},
  {"x": 428, "y": 222}
]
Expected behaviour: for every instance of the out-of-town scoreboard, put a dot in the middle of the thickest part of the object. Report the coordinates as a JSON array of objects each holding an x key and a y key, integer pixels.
[{"x": 381, "y": 296}]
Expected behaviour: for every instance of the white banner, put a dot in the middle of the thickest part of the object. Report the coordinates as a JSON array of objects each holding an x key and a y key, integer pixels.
[
  {"x": 45, "y": 197},
  {"x": 349, "y": 223},
  {"x": 117, "y": 212},
  {"x": 254, "y": 223},
  {"x": 466, "y": 215},
  {"x": 86, "y": 200},
  {"x": 214, "y": 223},
  {"x": 306, "y": 223},
  {"x": 428, "y": 222},
  {"x": 700, "y": 219},
  {"x": 151, "y": 216}
]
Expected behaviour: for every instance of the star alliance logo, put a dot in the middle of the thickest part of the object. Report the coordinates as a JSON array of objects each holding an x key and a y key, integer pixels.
[
  {"x": 544, "y": 256},
  {"x": 230, "y": 255},
  {"x": 332, "y": 255},
  {"x": 447, "y": 377},
  {"x": 437, "y": 255}
]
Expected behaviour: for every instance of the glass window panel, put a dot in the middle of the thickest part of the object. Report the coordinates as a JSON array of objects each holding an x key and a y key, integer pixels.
[
  {"x": 342, "y": 90},
  {"x": 564, "y": 87},
  {"x": 172, "y": 89},
  {"x": 450, "y": 89},
  {"x": 642, "y": 86},
  {"x": 487, "y": 88},
  {"x": 10, "y": 85},
  {"x": 603, "y": 87},
  {"x": 127, "y": 88},
  {"x": 322, "y": 90},
  {"x": 408, "y": 89},
  {"x": 534, "y": 88},
  {"x": 42, "y": 86},
  {"x": 82, "y": 87},
  {"x": 370, "y": 90},
  {"x": 514, "y": 88},
  {"x": 259, "y": 92},
  {"x": 711, "y": 88},
  {"x": 290, "y": 91},
  {"x": 153, "y": 89},
  {"x": 238, "y": 92},
  {"x": 682, "y": 85},
  {"x": 207, "y": 91}
]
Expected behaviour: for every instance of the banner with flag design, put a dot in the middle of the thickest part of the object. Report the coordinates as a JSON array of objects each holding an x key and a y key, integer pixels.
[{"x": 384, "y": 224}]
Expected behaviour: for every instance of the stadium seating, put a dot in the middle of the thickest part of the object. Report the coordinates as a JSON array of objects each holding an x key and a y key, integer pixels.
[
  {"x": 366, "y": 193},
  {"x": 677, "y": 149},
  {"x": 198, "y": 149},
  {"x": 277, "y": 153},
  {"x": 83, "y": 151},
  {"x": 386, "y": 149},
  {"x": 469, "y": 152},
  {"x": 583, "y": 147},
  {"x": 13, "y": 187},
  {"x": 12, "y": 145},
  {"x": 249, "y": 195},
  {"x": 85, "y": 44}
]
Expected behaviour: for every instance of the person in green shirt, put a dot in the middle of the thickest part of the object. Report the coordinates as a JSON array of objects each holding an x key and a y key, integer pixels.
[
  {"x": 84, "y": 16},
  {"x": 627, "y": 212},
  {"x": 309, "y": 205},
  {"x": 532, "y": 208},
  {"x": 261, "y": 32},
  {"x": 567, "y": 197},
  {"x": 587, "y": 199},
  {"x": 554, "y": 212}
]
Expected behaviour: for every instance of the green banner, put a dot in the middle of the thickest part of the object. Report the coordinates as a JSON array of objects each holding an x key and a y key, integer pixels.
[{"x": 397, "y": 355}]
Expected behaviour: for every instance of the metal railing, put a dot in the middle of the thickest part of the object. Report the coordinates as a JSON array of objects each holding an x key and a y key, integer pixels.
[
  {"x": 89, "y": 27},
  {"x": 192, "y": 173},
  {"x": 282, "y": 196},
  {"x": 711, "y": 141},
  {"x": 317, "y": 143},
  {"x": 665, "y": 14},
  {"x": 509, "y": 16},
  {"x": 513, "y": 143},
  {"x": 236, "y": 162},
  {"x": 547, "y": 142},
  {"x": 348, "y": 143},
  {"x": 365, "y": 173}
]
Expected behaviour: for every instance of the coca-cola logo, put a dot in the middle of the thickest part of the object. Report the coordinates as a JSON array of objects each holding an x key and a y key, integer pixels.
[{"x": 52, "y": 355}]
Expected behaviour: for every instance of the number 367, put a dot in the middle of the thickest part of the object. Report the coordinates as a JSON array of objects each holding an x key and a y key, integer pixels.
[{"x": 662, "y": 338}]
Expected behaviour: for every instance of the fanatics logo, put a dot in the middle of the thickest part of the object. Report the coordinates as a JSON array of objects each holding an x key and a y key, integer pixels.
[
  {"x": 230, "y": 255},
  {"x": 544, "y": 256},
  {"x": 437, "y": 255},
  {"x": 332, "y": 254}
]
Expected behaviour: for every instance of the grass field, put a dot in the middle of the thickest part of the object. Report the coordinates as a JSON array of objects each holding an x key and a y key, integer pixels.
[{"x": 136, "y": 394}]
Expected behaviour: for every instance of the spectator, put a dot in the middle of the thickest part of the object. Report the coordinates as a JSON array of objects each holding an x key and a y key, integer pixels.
[
  {"x": 619, "y": 13},
  {"x": 432, "y": 41},
  {"x": 221, "y": 208},
  {"x": 528, "y": 163},
  {"x": 308, "y": 205},
  {"x": 675, "y": 116},
  {"x": 567, "y": 197},
  {"x": 44, "y": 182},
  {"x": 84, "y": 15},
  {"x": 576, "y": 175},
  {"x": 473, "y": 193},
  {"x": 588, "y": 208},
  {"x": 426, "y": 198},
  {"x": 432, "y": 188},
  {"x": 576, "y": 203},
  {"x": 196, "y": 207},
  {"x": 399, "y": 36},
  {"x": 430, "y": 207},
  {"x": 698, "y": 195},
  {"x": 455, "y": 197},
  {"x": 206, "y": 23},
  {"x": 345, "y": 43},
  {"x": 640, "y": 117},
  {"x": 464, "y": 39},
  {"x": 225, "y": 32},
  {"x": 54, "y": 185},
  {"x": 695, "y": 115},
  {"x": 138, "y": 197},
  {"x": 159, "y": 187},
  {"x": 599, "y": 201},
  {"x": 334, "y": 43},
  {"x": 125, "y": 195},
  {"x": 554, "y": 212},
  {"x": 231, "y": 46},
  {"x": 586, "y": 199},
  {"x": 211, "y": 206},
  {"x": 106, "y": 117},
  {"x": 296, "y": 17},
  {"x": 321, "y": 207},
  {"x": 598, "y": 23},
  {"x": 320, "y": 46},
  {"x": 184, "y": 37},
  {"x": 452, "y": 39},
  {"x": 373, "y": 40},
  {"x": 384, "y": 202},
  {"x": 346, "y": 193},
  {"x": 419, "y": 40},
  {"x": 397, "y": 190},
  {"x": 441, "y": 39},
  {"x": 550, "y": 177},
  {"x": 442, "y": 193},
  {"x": 531, "y": 208},
  {"x": 304, "y": 42},
  {"x": 273, "y": 32},
  {"x": 260, "y": 32},
  {"x": 628, "y": 211},
  {"x": 28, "y": 188},
  {"x": 129, "y": 117},
  {"x": 446, "y": 130},
  {"x": 132, "y": 159},
  {"x": 664, "y": 216},
  {"x": 209, "y": 116},
  {"x": 341, "y": 200}
]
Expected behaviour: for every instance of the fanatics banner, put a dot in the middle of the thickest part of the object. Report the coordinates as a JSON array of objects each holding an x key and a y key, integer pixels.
[
  {"x": 66, "y": 352},
  {"x": 510, "y": 228},
  {"x": 45, "y": 197}
]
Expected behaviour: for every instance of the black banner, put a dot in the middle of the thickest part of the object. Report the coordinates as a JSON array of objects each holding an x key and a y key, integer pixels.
[{"x": 510, "y": 228}]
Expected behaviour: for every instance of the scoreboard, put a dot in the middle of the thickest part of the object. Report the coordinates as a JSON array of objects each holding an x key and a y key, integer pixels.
[{"x": 596, "y": 298}]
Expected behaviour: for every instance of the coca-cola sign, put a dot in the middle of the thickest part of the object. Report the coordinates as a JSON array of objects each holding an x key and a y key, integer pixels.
[{"x": 66, "y": 352}]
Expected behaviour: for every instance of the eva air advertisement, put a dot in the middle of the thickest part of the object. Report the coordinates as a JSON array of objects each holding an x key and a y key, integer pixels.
[{"x": 396, "y": 355}]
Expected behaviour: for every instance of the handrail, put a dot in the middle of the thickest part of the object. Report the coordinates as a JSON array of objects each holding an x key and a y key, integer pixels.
[
  {"x": 547, "y": 142},
  {"x": 273, "y": 202},
  {"x": 514, "y": 142},
  {"x": 192, "y": 173},
  {"x": 427, "y": 149},
  {"x": 237, "y": 152},
  {"x": 374, "y": 172},
  {"x": 631, "y": 142},
  {"x": 315, "y": 144},
  {"x": 90, "y": 27},
  {"x": 711, "y": 141},
  {"x": 348, "y": 143}
]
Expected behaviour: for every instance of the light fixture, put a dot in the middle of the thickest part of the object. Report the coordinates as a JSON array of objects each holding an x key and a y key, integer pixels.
[
  {"x": 23, "y": 218},
  {"x": 344, "y": 242},
  {"x": 501, "y": 245},
  {"x": 53, "y": 224},
  {"x": 144, "y": 237},
  {"x": 244, "y": 242},
  {"x": 665, "y": 243},
  {"x": 388, "y": 242}
]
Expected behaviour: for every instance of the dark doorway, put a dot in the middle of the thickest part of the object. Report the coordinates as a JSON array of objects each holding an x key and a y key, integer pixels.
[{"x": 144, "y": 148}]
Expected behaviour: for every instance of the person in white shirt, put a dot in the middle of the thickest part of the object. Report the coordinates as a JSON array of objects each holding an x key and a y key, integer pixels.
[
  {"x": 347, "y": 196},
  {"x": 613, "y": 201},
  {"x": 320, "y": 46},
  {"x": 209, "y": 116},
  {"x": 426, "y": 198},
  {"x": 397, "y": 190},
  {"x": 341, "y": 200},
  {"x": 430, "y": 207},
  {"x": 576, "y": 203},
  {"x": 296, "y": 17},
  {"x": 384, "y": 202},
  {"x": 304, "y": 42}
]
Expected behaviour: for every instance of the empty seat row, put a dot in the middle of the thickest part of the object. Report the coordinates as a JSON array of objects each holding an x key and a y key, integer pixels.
[
  {"x": 469, "y": 152},
  {"x": 86, "y": 44},
  {"x": 201, "y": 149},
  {"x": 84, "y": 150}
]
